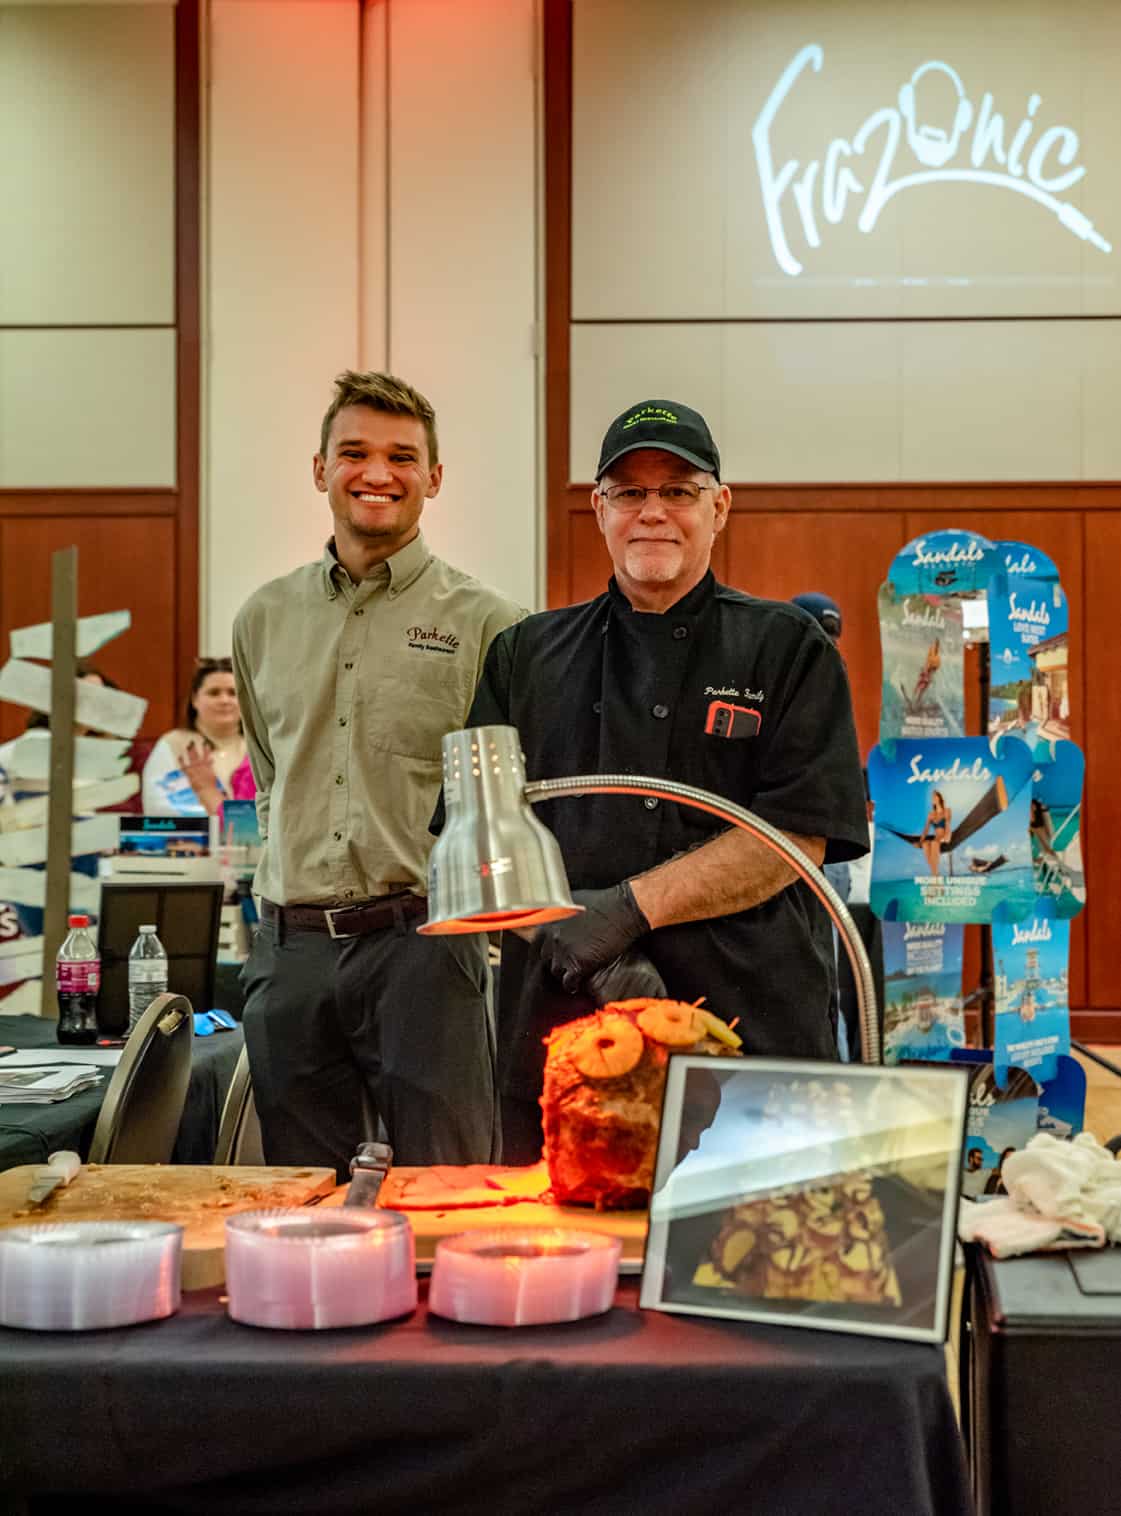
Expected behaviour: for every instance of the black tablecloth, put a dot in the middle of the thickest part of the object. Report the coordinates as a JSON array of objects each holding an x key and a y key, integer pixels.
[
  {"x": 1041, "y": 1391},
  {"x": 630, "y": 1412},
  {"x": 29, "y": 1132}
]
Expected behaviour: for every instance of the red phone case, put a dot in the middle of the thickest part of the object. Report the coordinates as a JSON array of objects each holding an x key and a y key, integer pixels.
[{"x": 727, "y": 720}]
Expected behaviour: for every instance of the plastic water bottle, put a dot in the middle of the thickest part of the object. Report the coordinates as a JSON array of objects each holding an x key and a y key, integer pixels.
[
  {"x": 77, "y": 979},
  {"x": 147, "y": 973}
]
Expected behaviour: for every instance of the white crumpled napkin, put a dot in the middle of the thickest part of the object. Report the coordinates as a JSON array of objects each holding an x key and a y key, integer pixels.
[{"x": 1060, "y": 1195}]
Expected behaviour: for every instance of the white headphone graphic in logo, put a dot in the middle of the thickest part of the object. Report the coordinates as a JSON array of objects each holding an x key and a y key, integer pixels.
[{"x": 932, "y": 145}]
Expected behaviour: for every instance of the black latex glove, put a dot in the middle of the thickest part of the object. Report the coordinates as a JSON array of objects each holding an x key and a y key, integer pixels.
[
  {"x": 625, "y": 978},
  {"x": 573, "y": 949}
]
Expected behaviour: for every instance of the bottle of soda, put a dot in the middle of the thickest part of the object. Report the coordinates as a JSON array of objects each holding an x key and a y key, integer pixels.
[
  {"x": 78, "y": 979},
  {"x": 147, "y": 973}
]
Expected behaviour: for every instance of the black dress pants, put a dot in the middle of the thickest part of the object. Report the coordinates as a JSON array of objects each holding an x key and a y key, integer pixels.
[{"x": 388, "y": 1020}]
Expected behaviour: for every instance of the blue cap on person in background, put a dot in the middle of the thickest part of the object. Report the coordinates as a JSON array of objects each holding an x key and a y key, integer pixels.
[{"x": 825, "y": 611}]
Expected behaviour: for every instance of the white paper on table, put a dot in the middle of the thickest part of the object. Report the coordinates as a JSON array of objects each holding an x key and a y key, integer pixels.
[
  {"x": 104, "y": 709},
  {"x": 87, "y": 798},
  {"x": 94, "y": 757},
  {"x": 15, "y": 967},
  {"x": 92, "y": 632},
  {"x": 25, "y": 1000},
  {"x": 29, "y": 887},
  {"x": 95, "y": 835},
  {"x": 24, "y": 1058}
]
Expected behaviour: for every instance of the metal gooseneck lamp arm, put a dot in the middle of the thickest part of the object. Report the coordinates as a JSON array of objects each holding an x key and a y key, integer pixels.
[
  {"x": 778, "y": 842},
  {"x": 495, "y": 867}
]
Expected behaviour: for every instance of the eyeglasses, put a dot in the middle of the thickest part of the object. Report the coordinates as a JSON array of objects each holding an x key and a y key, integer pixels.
[{"x": 632, "y": 497}]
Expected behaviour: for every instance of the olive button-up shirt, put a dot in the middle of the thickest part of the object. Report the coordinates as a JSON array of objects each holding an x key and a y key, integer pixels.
[{"x": 346, "y": 693}]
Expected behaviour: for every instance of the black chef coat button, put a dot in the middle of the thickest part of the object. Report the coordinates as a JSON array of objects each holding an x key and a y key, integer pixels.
[
  {"x": 680, "y": 631},
  {"x": 597, "y": 707},
  {"x": 651, "y": 802},
  {"x": 661, "y": 711},
  {"x": 338, "y": 836}
]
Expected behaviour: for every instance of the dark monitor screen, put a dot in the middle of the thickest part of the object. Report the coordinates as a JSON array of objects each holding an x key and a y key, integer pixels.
[{"x": 186, "y": 917}]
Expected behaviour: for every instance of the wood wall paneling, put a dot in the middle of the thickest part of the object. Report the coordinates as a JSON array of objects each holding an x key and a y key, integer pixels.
[
  {"x": 121, "y": 565},
  {"x": 1101, "y": 745},
  {"x": 780, "y": 554}
]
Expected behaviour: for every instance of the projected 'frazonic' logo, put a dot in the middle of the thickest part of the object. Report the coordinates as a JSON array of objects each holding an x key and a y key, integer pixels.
[{"x": 953, "y": 142}]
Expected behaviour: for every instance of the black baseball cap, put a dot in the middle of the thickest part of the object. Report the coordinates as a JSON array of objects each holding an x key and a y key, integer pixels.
[{"x": 663, "y": 424}]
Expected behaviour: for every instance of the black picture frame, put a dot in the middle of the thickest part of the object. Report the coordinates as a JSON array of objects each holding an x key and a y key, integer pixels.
[
  {"x": 187, "y": 917},
  {"x": 808, "y": 1194}
]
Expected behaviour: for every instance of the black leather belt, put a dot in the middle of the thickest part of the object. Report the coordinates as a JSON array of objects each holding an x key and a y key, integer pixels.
[{"x": 347, "y": 920}]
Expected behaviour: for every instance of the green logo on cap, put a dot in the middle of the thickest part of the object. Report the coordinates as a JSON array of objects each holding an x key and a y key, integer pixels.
[{"x": 651, "y": 413}]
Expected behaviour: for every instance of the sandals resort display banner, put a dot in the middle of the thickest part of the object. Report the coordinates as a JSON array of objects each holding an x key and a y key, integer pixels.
[
  {"x": 923, "y": 1015},
  {"x": 923, "y": 693},
  {"x": 952, "y": 830},
  {"x": 977, "y": 829},
  {"x": 1028, "y": 621},
  {"x": 1032, "y": 1022}
]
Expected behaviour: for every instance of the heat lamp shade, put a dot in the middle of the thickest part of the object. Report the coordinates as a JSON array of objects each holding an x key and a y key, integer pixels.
[{"x": 495, "y": 866}]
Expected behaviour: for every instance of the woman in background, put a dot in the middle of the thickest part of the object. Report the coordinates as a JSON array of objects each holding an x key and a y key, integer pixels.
[{"x": 192, "y": 768}]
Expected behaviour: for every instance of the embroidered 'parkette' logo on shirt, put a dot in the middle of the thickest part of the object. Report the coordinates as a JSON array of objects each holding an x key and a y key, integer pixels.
[{"x": 430, "y": 639}]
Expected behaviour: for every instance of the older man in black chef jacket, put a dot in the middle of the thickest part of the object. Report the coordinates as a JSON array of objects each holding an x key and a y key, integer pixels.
[{"x": 672, "y": 674}]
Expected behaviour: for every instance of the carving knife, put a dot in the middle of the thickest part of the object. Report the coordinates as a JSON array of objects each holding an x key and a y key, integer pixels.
[
  {"x": 57, "y": 1172},
  {"x": 368, "y": 1168}
]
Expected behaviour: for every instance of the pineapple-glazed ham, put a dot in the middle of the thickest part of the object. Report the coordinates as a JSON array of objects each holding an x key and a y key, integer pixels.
[{"x": 604, "y": 1078}]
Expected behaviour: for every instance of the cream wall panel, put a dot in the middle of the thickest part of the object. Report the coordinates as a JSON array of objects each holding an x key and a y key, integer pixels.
[
  {"x": 87, "y": 409},
  {"x": 1100, "y": 389},
  {"x": 866, "y": 402},
  {"x": 462, "y": 266},
  {"x": 812, "y": 403},
  {"x": 668, "y": 209},
  {"x": 282, "y": 276},
  {"x": 998, "y": 400},
  {"x": 87, "y": 180},
  {"x": 613, "y": 367},
  {"x": 785, "y": 402}
]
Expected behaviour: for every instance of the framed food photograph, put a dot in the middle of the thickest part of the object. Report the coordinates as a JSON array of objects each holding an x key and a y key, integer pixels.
[{"x": 808, "y": 1194}]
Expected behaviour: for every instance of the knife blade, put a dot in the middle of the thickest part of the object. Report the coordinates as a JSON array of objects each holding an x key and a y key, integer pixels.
[
  {"x": 368, "y": 1168},
  {"x": 59, "y": 1169}
]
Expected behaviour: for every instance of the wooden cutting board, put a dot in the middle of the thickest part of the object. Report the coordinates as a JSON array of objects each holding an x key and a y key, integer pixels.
[
  {"x": 198, "y": 1198},
  {"x": 430, "y": 1225}
]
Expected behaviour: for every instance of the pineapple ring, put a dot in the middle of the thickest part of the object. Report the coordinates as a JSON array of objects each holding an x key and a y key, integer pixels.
[
  {"x": 719, "y": 1029},
  {"x": 671, "y": 1022},
  {"x": 609, "y": 1049}
]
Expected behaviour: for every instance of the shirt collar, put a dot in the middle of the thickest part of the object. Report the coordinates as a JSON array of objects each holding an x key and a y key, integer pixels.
[
  {"x": 689, "y": 605},
  {"x": 399, "y": 570}
]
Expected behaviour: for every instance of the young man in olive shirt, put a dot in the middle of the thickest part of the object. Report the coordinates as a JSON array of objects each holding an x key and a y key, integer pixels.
[
  {"x": 349, "y": 672},
  {"x": 674, "y": 675}
]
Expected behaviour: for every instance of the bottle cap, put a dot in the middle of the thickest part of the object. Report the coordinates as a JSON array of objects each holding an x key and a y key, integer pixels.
[
  {"x": 77, "y": 921},
  {"x": 147, "y": 929}
]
